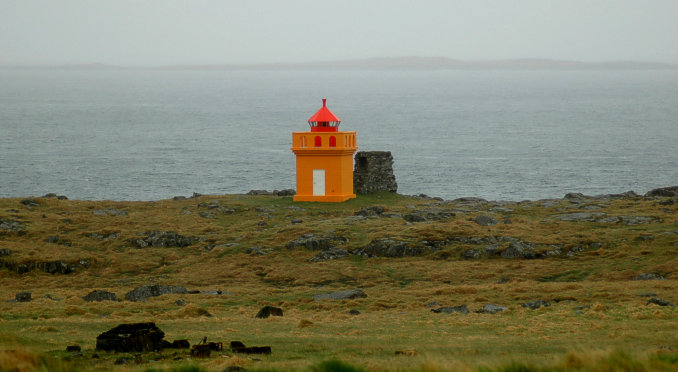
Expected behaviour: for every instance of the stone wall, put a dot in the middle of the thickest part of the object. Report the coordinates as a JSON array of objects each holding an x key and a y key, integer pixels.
[{"x": 373, "y": 171}]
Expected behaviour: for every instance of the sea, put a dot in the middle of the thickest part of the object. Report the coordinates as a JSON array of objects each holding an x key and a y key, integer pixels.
[{"x": 143, "y": 134}]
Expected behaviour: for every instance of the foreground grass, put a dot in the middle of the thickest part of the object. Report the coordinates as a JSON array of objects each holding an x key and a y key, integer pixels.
[{"x": 597, "y": 320}]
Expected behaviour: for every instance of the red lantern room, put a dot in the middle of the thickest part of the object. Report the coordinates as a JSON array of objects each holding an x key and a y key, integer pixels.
[{"x": 324, "y": 120}]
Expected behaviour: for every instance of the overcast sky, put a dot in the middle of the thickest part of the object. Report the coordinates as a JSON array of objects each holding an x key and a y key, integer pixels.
[{"x": 168, "y": 32}]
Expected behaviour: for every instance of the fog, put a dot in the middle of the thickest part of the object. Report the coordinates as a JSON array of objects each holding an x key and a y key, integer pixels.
[{"x": 170, "y": 32}]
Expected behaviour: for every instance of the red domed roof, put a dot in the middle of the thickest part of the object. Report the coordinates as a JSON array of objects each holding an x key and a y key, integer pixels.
[{"x": 324, "y": 115}]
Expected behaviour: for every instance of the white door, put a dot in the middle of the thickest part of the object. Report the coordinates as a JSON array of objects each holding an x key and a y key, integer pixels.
[{"x": 318, "y": 182}]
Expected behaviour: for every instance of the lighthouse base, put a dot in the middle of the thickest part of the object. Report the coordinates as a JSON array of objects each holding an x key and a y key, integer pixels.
[{"x": 324, "y": 198}]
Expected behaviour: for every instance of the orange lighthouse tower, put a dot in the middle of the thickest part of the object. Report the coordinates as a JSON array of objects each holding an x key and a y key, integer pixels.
[{"x": 324, "y": 159}]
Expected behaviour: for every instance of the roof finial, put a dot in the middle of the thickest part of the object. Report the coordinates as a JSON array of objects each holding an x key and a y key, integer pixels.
[{"x": 324, "y": 101}]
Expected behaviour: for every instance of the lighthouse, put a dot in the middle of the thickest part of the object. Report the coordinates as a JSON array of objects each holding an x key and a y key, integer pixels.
[{"x": 324, "y": 159}]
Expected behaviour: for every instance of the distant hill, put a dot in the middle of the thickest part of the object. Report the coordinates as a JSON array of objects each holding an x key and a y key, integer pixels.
[{"x": 392, "y": 63}]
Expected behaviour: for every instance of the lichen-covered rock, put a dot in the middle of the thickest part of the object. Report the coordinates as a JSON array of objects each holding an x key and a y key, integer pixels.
[
  {"x": 484, "y": 220},
  {"x": 23, "y": 297},
  {"x": 518, "y": 250},
  {"x": 163, "y": 239},
  {"x": 534, "y": 305},
  {"x": 333, "y": 253},
  {"x": 491, "y": 309},
  {"x": 451, "y": 309},
  {"x": 315, "y": 243},
  {"x": 387, "y": 247},
  {"x": 55, "y": 267},
  {"x": 100, "y": 295},
  {"x": 11, "y": 225},
  {"x": 341, "y": 295}
]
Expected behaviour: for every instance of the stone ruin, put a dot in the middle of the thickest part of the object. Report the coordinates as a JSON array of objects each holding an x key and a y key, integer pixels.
[{"x": 373, "y": 171}]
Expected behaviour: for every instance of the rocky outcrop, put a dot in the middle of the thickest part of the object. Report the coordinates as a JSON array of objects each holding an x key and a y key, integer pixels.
[
  {"x": 491, "y": 309},
  {"x": 387, "y": 247},
  {"x": 146, "y": 291},
  {"x": 315, "y": 243},
  {"x": 100, "y": 295},
  {"x": 11, "y": 226},
  {"x": 341, "y": 295},
  {"x": 451, "y": 309},
  {"x": 134, "y": 337},
  {"x": 664, "y": 191},
  {"x": 163, "y": 239},
  {"x": 50, "y": 267},
  {"x": 428, "y": 215},
  {"x": 373, "y": 172},
  {"x": 23, "y": 297},
  {"x": 332, "y": 253}
]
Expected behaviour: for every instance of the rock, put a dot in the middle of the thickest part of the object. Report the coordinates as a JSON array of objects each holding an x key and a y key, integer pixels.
[
  {"x": 504, "y": 280},
  {"x": 259, "y": 192},
  {"x": 491, "y": 309},
  {"x": 484, "y": 220},
  {"x": 205, "y": 214},
  {"x": 132, "y": 337},
  {"x": 664, "y": 191},
  {"x": 637, "y": 220},
  {"x": 11, "y": 225},
  {"x": 253, "y": 350},
  {"x": 5, "y": 252},
  {"x": 146, "y": 291},
  {"x": 581, "y": 216},
  {"x": 332, "y": 253},
  {"x": 472, "y": 254},
  {"x": 163, "y": 239},
  {"x": 432, "y": 214},
  {"x": 180, "y": 302},
  {"x": 100, "y": 295},
  {"x": 109, "y": 212},
  {"x": 414, "y": 217},
  {"x": 644, "y": 238},
  {"x": 534, "y": 305},
  {"x": 296, "y": 221},
  {"x": 315, "y": 243},
  {"x": 267, "y": 311},
  {"x": 451, "y": 309},
  {"x": 373, "y": 211},
  {"x": 55, "y": 267},
  {"x": 105, "y": 236},
  {"x": 354, "y": 312},
  {"x": 49, "y": 297},
  {"x": 373, "y": 171},
  {"x": 574, "y": 195},
  {"x": 432, "y": 304},
  {"x": 179, "y": 197},
  {"x": 52, "y": 239},
  {"x": 73, "y": 348},
  {"x": 518, "y": 250},
  {"x": 259, "y": 251},
  {"x": 30, "y": 203},
  {"x": 285, "y": 192},
  {"x": 648, "y": 294},
  {"x": 648, "y": 276},
  {"x": 341, "y": 295},
  {"x": 23, "y": 297},
  {"x": 660, "y": 302},
  {"x": 387, "y": 247}
]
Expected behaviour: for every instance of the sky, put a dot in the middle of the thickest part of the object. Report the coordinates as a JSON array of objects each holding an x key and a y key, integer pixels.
[{"x": 177, "y": 32}]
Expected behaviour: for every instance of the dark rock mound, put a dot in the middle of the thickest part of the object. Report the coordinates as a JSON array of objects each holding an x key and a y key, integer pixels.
[
  {"x": 163, "y": 239},
  {"x": 146, "y": 291},
  {"x": 285, "y": 192},
  {"x": 660, "y": 302},
  {"x": 518, "y": 250},
  {"x": 267, "y": 311},
  {"x": 432, "y": 214},
  {"x": 341, "y": 295},
  {"x": 259, "y": 192},
  {"x": 100, "y": 295},
  {"x": 11, "y": 225},
  {"x": 30, "y": 202},
  {"x": 55, "y": 267},
  {"x": 451, "y": 309},
  {"x": 5, "y": 252},
  {"x": 664, "y": 191},
  {"x": 23, "y": 297},
  {"x": 373, "y": 211},
  {"x": 333, "y": 253},
  {"x": 139, "y": 337},
  {"x": 484, "y": 220}
]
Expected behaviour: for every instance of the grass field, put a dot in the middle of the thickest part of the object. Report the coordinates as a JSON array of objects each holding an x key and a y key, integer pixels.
[{"x": 590, "y": 254}]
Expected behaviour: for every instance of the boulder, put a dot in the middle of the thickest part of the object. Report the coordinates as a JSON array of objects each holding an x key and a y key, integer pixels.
[
  {"x": 484, "y": 220},
  {"x": 133, "y": 337},
  {"x": 30, "y": 202},
  {"x": 332, "y": 253},
  {"x": 267, "y": 311},
  {"x": 146, "y": 291},
  {"x": 660, "y": 302},
  {"x": 100, "y": 295},
  {"x": 55, "y": 267},
  {"x": 316, "y": 243},
  {"x": 534, "y": 305},
  {"x": 341, "y": 295},
  {"x": 11, "y": 225},
  {"x": 373, "y": 211},
  {"x": 491, "y": 309},
  {"x": 23, "y": 297},
  {"x": 518, "y": 250},
  {"x": 387, "y": 247},
  {"x": 648, "y": 276},
  {"x": 163, "y": 239},
  {"x": 285, "y": 192},
  {"x": 451, "y": 309},
  {"x": 259, "y": 192}
]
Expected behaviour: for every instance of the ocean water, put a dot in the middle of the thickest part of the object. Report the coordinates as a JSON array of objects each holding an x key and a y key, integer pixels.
[{"x": 500, "y": 135}]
